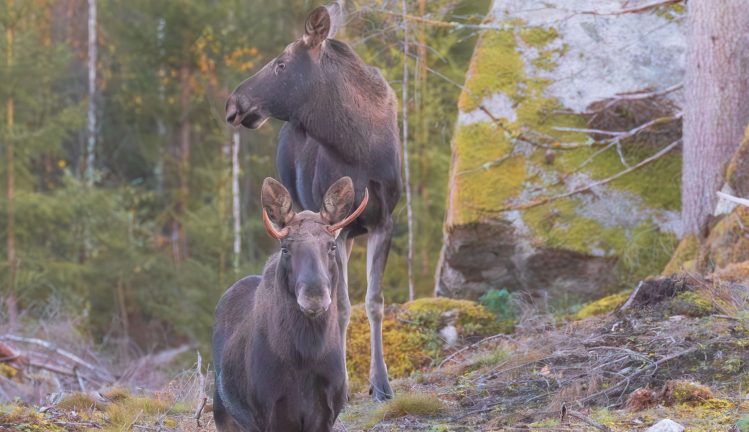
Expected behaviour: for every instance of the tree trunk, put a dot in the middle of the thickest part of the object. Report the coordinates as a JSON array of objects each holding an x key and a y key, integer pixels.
[
  {"x": 11, "y": 299},
  {"x": 179, "y": 239},
  {"x": 235, "y": 209},
  {"x": 91, "y": 148},
  {"x": 409, "y": 207},
  {"x": 717, "y": 102}
]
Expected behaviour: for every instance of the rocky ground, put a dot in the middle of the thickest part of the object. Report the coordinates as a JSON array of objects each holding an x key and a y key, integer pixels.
[{"x": 674, "y": 349}]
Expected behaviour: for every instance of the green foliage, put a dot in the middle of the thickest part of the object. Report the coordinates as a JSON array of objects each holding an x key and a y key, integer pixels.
[{"x": 498, "y": 303}]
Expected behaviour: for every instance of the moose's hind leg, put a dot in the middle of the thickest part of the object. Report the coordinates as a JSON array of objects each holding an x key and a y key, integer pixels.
[{"x": 378, "y": 246}]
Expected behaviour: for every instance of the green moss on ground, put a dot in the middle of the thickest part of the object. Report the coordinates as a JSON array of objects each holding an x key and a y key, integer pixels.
[{"x": 603, "y": 306}]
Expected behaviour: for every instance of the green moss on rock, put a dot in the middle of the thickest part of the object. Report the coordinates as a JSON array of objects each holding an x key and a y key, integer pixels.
[
  {"x": 410, "y": 334},
  {"x": 691, "y": 303},
  {"x": 603, "y": 305},
  {"x": 496, "y": 67},
  {"x": 683, "y": 257}
]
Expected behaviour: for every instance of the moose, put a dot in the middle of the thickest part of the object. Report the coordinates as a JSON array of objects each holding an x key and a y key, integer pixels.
[
  {"x": 341, "y": 120},
  {"x": 280, "y": 360}
]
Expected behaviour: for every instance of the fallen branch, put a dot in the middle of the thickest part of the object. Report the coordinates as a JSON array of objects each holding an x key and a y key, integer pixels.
[
  {"x": 52, "y": 347},
  {"x": 587, "y": 420},
  {"x": 733, "y": 199},
  {"x": 639, "y": 372}
]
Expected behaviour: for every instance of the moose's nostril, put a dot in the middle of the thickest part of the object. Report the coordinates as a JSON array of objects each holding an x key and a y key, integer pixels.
[{"x": 231, "y": 111}]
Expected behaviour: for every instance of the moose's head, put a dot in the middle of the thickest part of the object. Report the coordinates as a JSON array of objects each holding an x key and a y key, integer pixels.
[
  {"x": 289, "y": 80},
  {"x": 307, "y": 266}
]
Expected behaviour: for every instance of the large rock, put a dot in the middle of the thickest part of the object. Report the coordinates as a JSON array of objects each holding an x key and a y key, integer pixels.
[
  {"x": 547, "y": 69},
  {"x": 666, "y": 425}
]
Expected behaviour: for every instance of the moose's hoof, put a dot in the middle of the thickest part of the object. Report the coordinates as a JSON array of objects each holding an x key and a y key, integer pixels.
[{"x": 380, "y": 392}]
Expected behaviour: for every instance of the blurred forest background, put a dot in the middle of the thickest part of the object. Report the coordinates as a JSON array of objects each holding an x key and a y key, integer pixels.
[{"x": 130, "y": 226}]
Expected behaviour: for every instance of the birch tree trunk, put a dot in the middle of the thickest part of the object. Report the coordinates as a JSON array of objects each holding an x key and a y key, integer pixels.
[
  {"x": 91, "y": 148},
  {"x": 11, "y": 299},
  {"x": 235, "y": 209},
  {"x": 409, "y": 207},
  {"x": 717, "y": 101}
]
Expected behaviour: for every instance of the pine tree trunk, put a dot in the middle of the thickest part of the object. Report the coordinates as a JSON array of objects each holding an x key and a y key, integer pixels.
[
  {"x": 11, "y": 299},
  {"x": 717, "y": 102}
]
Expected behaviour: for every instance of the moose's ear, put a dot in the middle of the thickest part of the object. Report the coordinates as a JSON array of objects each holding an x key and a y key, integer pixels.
[
  {"x": 317, "y": 27},
  {"x": 337, "y": 201},
  {"x": 276, "y": 200}
]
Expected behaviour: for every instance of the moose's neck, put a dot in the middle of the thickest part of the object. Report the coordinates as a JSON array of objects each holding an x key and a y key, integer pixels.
[{"x": 354, "y": 107}]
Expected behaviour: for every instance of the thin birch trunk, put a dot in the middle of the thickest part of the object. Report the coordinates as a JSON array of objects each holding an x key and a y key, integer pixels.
[
  {"x": 409, "y": 207},
  {"x": 235, "y": 209}
]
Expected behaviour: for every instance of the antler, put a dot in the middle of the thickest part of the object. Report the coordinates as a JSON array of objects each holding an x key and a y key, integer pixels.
[
  {"x": 272, "y": 231},
  {"x": 352, "y": 217}
]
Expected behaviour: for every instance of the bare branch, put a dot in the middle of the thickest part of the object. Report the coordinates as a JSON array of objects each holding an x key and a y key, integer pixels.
[
  {"x": 640, "y": 164},
  {"x": 437, "y": 23},
  {"x": 637, "y": 9}
]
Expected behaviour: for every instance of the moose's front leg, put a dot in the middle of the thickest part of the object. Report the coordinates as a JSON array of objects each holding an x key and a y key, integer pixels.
[
  {"x": 344, "y": 304},
  {"x": 378, "y": 247}
]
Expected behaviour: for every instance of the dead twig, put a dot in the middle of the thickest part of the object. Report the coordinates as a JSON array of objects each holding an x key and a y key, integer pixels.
[
  {"x": 201, "y": 389},
  {"x": 470, "y": 347},
  {"x": 587, "y": 420},
  {"x": 200, "y": 410}
]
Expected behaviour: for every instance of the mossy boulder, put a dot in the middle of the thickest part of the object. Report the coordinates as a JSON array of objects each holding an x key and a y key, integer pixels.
[
  {"x": 411, "y": 334},
  {"x": 534, "y": 86}
]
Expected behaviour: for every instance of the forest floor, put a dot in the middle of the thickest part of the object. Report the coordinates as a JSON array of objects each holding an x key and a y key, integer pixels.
[{"x": 679, "y": 354}]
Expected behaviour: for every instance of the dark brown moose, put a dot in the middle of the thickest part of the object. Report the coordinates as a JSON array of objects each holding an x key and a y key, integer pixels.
[
  {"x": 341, "y": 120},
  {"x": 280, "y": 360}
]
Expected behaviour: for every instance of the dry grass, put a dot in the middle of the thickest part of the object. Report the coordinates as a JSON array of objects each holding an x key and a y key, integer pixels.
[
  {"x": 80, "y": 402},
  {"x": 408, "y": 404}
]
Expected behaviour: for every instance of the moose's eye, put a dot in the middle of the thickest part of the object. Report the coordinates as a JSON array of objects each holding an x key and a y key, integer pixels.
[{"x": 280, "y": 66}]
